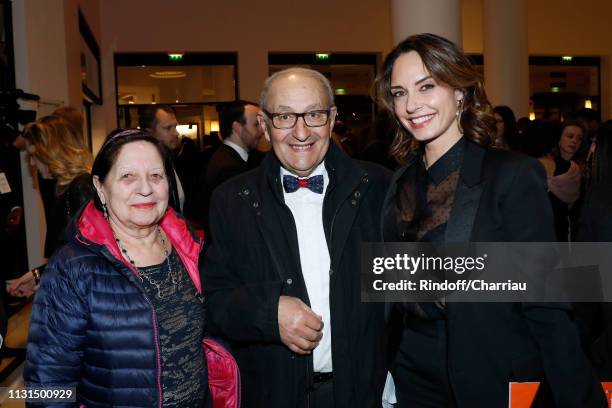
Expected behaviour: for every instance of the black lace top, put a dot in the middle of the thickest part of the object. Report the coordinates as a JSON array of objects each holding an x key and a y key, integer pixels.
[
  {"x": 180, "y": 318},
  {"x": 424, "y": 203},
  {"x": 426, "y": 196}
]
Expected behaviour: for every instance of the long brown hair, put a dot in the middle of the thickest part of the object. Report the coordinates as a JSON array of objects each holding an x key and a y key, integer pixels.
[
  {"x": 447, "y": 64},
  {"x": 59, "y": 147}
]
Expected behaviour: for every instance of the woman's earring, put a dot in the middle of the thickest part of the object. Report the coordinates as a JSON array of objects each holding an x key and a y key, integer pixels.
[
  {"x": 459, "y": 113},
  {"x": 459, "y": 108},
  {"x": 105, "y": 211}
]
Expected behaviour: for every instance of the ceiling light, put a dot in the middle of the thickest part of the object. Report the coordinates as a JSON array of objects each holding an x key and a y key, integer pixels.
[{"x": 168, "y": 74}]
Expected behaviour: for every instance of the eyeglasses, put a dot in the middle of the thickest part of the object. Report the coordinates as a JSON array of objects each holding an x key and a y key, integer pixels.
[{"x": 287, "y": 120}]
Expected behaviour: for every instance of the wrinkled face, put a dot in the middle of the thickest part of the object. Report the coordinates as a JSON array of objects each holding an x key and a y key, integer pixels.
[
  {"x": 136, "y": 188},
  {"x": 301, "y": 148},
  {"x": 570, "y": 141},
  {"x": 425, "y": 107},
  {"x": 41, "y": 167},
  {"x": 165, "y": 129},
  {"x": 251, "y": 131}
]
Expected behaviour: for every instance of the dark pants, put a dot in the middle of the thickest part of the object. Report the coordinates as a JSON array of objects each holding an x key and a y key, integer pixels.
[
  {"x": 322, "y": 395},
  {"x": 420, "y": 370}
]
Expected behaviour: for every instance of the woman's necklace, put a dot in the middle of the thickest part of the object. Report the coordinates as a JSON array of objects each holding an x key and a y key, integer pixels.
[{"x": 165, "y": 287}]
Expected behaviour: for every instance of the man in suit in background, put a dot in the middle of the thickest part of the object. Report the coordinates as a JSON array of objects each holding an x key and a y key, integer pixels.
[
  {"x": 241, "y": 133},
  {"x": 160, "y": 121}
]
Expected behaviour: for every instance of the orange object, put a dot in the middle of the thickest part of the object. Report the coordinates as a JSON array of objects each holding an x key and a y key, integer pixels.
[{"x": 522, "y": 394}]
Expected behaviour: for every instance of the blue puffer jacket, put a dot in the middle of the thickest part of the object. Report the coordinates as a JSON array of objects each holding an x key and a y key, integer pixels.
[{"x": 93, "y": 328}]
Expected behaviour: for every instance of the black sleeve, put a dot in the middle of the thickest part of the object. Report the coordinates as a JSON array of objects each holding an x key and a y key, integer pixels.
[
  {"x": 529, "y": 219},
  {"x": 239, "y": 308},
  {"x": 586, "y": 232}
]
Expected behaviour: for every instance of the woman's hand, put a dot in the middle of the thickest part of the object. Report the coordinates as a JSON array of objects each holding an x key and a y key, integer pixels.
[{"x": 23, "y": 286}]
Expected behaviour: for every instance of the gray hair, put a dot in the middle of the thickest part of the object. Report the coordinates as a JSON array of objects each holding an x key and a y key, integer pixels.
[{"x": 298, "y": 71}]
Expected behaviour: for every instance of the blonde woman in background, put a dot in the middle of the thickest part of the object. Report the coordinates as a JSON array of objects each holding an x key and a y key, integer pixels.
[{"x": 57, "y": 152}]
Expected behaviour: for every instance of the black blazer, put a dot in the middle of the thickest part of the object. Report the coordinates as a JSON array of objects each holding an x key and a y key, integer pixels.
[
  {"x": 254, "y": 258},
  {"x": 501, "y": 197},
  {"x": 595, "y": 225},
  {"x": 224, "y": 164}
]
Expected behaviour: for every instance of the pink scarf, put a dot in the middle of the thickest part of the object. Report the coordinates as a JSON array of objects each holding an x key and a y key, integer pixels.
[{"x": 566, "y": 186}]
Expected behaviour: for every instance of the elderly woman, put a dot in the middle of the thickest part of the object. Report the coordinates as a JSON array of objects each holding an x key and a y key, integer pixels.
[
  {"x": 119, "y": 314},
  {"x": 63, "y": 164},
  {"x": 454, "y": 188}
]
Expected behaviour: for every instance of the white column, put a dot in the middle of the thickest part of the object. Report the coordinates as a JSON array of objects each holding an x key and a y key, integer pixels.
[
  {"x": 506, "y": 60},
  {"x": 441, "y": 17}
]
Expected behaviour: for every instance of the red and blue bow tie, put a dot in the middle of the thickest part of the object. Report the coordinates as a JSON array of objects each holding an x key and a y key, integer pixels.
[{"x": 314, "y": 183}]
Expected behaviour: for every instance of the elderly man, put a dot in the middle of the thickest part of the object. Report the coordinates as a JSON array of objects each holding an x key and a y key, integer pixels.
[{"x": 282, "y": 274}]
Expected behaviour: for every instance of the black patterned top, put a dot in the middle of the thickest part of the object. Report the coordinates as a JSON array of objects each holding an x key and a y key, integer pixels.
[
  {"x": 180, "y": 319},
  {"x": 440, "y": 193}
]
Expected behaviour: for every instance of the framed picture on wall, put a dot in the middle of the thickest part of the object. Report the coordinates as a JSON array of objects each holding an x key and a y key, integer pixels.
[{"x": 91, "y": 77}]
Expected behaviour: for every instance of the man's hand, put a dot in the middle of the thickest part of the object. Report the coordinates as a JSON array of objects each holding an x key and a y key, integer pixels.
[{"x": 300, "y": 328}]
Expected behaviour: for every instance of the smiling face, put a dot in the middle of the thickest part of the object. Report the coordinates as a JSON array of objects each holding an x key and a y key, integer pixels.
[
  {"x": 425, "y": 107},
  {"x": 571, "y": 139},
  {"x": 135, "y": 190},
  {"x": 301, "y": 148}
]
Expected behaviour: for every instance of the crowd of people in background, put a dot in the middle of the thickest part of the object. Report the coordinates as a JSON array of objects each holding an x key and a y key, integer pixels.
[{"x": 129, "y": 268}]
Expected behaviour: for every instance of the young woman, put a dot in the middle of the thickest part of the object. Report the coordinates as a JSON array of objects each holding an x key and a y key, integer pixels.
[{"x": 453, "y": 188}]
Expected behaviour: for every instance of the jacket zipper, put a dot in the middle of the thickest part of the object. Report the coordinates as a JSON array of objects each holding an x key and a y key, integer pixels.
[
  {"x": 113, "y": 259},
  {"x": 157, "y": 351}
]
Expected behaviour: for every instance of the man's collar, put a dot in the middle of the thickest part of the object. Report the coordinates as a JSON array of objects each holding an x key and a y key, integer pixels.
[
  {"x": 319, "y": 170},
  {"x": 244, "y": 155}
]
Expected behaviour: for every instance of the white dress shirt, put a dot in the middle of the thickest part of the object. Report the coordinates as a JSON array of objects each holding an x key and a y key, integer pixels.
[
  {"x": 307, "y": 209},
  {"x": 244, "y": 155}
]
